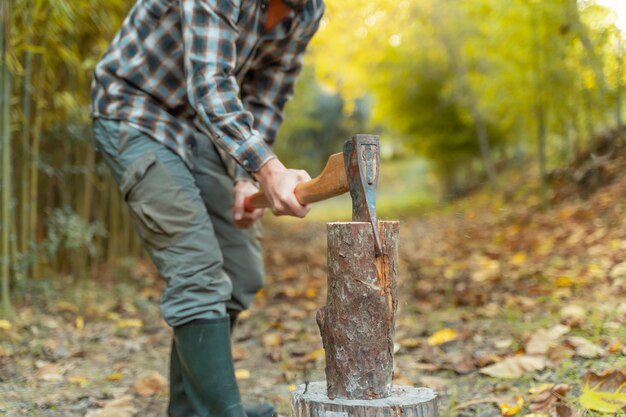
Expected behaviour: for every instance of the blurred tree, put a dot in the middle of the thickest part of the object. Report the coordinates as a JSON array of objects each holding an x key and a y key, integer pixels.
[{"x": 316, "y": 125}]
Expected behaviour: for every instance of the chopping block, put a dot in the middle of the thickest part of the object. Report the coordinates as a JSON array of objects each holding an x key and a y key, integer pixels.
[{"x": 357, "y": 325}]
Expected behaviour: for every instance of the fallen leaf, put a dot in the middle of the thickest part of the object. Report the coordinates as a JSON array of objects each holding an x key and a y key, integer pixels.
[
  {"x": 65, "y": 306},
  {"x": 515, "y": 366},
  {"x": 584, "y": 348},
  {"x": 503, "y": 343},
  {"x": 240, "y": 353},
  {"x": 150, "y": 384},
  {"x": 442, "y": 336},
  {"x": 544, "y": 400},
  {"x": 604, "y": 392},
  {"x": 80, "y": 323},
  {"x": 563, "y": 410},
  {"x": 316, "y": 354},
  {"x": 242, "y": 374},
  {"x": 119, "y": 407},
  {"x": 614, "y": 347},
  {"x": 129, "y": 323},
  {"x": 434, "y": 382},
  {"x": 77, "y": 380},
  {"x": 410, "y": 343},
  {"x": 573, "y": 315},
  {"x": 50, "y": 372},
  {"x": 5, "y": 325},
  {"x": 542, "y": 340},
  {"x": 115, "y": 376},
  {"x": 270, "y": 340},
  {"x": 511, "y": 410}
]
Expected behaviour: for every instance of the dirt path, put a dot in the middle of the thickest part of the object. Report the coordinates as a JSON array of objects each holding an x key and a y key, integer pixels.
[{"x": 477, "y": 286}]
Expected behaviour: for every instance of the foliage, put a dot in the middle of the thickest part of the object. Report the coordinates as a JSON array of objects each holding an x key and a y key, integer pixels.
[{"x": 465, "y": 85}]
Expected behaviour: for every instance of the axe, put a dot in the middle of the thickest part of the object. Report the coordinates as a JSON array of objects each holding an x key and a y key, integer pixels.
[{"x": 355, "y": 170}]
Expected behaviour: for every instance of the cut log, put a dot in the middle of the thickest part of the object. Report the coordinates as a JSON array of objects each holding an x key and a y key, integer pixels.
[
  {"x": 312, "y": 401},
  {"x": 357, "y": 323}
]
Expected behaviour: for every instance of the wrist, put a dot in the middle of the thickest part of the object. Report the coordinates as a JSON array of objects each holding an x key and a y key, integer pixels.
[{"x": 269, "y": 170}]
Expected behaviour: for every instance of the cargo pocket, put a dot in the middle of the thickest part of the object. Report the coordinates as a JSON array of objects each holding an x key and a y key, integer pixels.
[{"x": 161, "y": 209}]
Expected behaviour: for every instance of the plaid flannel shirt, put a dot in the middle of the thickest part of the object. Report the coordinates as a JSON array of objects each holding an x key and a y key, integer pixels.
[{"x": 180, "y": 65}]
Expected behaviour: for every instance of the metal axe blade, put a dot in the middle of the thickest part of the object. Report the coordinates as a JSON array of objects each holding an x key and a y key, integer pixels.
[{"x": 362, "y": 160}]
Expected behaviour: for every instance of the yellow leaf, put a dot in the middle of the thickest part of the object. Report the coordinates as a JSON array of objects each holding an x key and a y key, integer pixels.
[
  {"x": 66, "y": 306},
  {"x": 292, "y": 387},
  {"x": 77, "y": 380},
  {"x": 129, "y": 323},
  {"x": 540, "y": 388},
  {"x": 564, "y": 282},
  {"x": 511, "y": 410},
  {"x": 5, "y": 325},
  {"x": 316, "y": 354},
  {"x": 442, "y": 336},
  {"x": 310, "y": 293},
  {"x": 604, "y": 392},
  {"x": 80, "y": 323},
  {"x": 242, "y": 374},
  {"x": 115, "y": 376},
  {"x": 518, "y": 259}
]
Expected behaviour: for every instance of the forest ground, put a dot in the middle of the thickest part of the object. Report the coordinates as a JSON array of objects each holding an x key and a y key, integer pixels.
[{"x": 495, "y": 278}]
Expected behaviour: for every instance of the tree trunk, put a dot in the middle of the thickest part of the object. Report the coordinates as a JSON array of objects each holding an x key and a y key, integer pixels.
[
  {"x": 34, "y": 177},
  {"x": 25, "y": 137},
  {"x": 5, "y": 278},
  {"x": 357, "y": 323},
  {"x": 619, "y": 93}
]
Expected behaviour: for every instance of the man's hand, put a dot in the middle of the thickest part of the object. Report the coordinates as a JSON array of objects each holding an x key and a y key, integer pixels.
[
  {"x": 279, "y": 185},
  {"x": 241, "y": 217}
]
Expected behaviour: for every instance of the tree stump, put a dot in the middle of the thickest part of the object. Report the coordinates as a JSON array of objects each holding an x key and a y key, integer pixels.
[
  {"x": 357, "y": 324},
  {"x": 357, "y": 327},
  {"x": 312, "y": 401}
]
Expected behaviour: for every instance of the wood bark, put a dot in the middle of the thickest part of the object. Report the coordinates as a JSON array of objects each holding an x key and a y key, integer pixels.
[
  {"x": 357, "y": 324},
  {"x": 311, "y": 401}
]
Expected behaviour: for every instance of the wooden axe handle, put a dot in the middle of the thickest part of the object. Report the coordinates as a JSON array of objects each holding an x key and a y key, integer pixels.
[{"x": 331, "y": 182}]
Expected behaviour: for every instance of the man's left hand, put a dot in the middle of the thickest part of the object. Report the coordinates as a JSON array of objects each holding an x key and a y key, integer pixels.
[{"x": 242, "y": 218}]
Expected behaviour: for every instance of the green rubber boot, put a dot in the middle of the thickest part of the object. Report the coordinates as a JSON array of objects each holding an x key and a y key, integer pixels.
[
  {"x": 206, "y": 365},
  {"x": 179, "y": 405},
  {"x": 251, "y": 410}
]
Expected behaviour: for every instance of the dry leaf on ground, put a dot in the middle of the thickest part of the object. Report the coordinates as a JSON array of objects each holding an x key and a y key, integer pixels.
[
  {"x": 50, "y": 372},
  {"x": 150, "y": 384},
  {"x": 584, "y": 348},
  {"x": 544, "y": 399},
  {"x": 119, "y": 407},
  {"x": 542, "y": 340},
  {"x": 241, "y": 374},
  {"x": 604, "y": 392},
  {"x": 515, "y": 366},
  {"x": 510, "y": 410},
  {"x": 270, "y": 340},
  {"x": 434, "y": 382},
  {"x": 442, "y": 336}
]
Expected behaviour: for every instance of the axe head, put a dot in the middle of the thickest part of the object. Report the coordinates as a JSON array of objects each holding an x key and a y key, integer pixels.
[{"x": 362, "y": 160}]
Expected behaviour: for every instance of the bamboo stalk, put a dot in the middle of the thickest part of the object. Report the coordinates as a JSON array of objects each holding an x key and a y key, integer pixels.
[
  {"x": 34, "y": 177},
  {"x": 26, "y": 116},
  {"x": 7, "y": 309}
]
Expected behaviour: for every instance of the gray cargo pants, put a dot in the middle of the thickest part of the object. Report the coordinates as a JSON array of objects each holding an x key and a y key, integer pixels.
[{"x": 184, "y": 219}]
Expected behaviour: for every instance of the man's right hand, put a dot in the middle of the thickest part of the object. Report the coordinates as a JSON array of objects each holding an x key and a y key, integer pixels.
[{"x": 279, "y": 185}]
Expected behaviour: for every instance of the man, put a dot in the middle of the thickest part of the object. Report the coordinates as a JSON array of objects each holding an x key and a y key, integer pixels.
[{"x": 183, "y": 82}]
